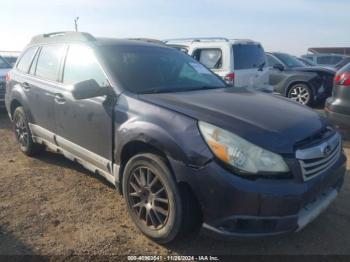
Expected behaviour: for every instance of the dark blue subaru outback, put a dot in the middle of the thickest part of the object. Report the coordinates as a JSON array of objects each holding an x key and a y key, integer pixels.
[{"x": 184, "y": 149}]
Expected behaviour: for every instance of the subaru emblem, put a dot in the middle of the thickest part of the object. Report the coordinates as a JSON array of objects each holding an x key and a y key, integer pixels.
[{"x": 327, "y": 150}]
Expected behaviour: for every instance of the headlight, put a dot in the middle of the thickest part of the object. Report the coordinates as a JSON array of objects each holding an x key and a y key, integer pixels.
[{"x": 240, "y": 153}]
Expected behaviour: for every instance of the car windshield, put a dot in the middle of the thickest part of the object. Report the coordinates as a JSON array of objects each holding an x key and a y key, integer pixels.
[
  {"x": 306, "y": 62},
  {"x": 342, "y": 63},
  {"x": 153, "y": 69},
  {"x": 290, "y": 61},
  {"x": 4, "y": 64}
]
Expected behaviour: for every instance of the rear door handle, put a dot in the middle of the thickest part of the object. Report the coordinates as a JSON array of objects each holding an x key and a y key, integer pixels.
[
  {"x": 59, "y": 99},
  {"x": 25, "y": 86}
]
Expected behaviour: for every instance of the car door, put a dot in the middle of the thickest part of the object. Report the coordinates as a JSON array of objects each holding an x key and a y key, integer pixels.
[
  {"x": 250, "y": 65},
  {"x": 40, "y": 86},
  {"x": 276, "y": 75},
  {"x": 84, "y": 127}
]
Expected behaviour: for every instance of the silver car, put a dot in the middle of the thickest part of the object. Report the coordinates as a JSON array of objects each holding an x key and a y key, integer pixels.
[{"x": 4, "y": 68}]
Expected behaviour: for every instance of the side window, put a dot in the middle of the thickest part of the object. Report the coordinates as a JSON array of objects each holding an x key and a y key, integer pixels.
[
  {"x": 271, "y": 61},
  {"x": 24, "y": 64},
  {"x": 324, "y": 60},
  {"x": 81, "y": 64},
  {"x": 337, "y": 59},
  {"x": 211, "y": 58},
  {"x": 49, "y": 62}
]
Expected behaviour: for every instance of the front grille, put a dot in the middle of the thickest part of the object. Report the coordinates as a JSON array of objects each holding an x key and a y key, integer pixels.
[
  {"x": 316, "y": 138},
  {"x": 318, "y": 159}
]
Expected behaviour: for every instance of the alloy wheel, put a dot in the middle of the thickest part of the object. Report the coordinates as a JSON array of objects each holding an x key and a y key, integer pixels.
[
  {"x": 300, "y": 94},
  {"x": 21, "y": 130},
  {"x": 148, "y": 198}
]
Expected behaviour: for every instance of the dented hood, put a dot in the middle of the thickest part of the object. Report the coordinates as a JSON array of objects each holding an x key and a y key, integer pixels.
[{"x": 270, "y": 121}]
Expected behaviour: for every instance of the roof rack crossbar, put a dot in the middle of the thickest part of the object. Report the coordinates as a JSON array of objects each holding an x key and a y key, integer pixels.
[{"x": 64, "y": 35}]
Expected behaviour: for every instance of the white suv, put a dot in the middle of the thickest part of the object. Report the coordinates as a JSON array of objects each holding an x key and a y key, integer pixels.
[{"x": 241, "y": 63}]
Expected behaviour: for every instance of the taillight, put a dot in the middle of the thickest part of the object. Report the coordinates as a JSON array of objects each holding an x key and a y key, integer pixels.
[
  {"x": 230, "y": 78},
  {"x": 342, "y": 79},
  {"x": 7, "y": 77}
]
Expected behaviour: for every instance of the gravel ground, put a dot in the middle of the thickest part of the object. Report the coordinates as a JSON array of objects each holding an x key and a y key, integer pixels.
[{"x": 51, "y": 206}]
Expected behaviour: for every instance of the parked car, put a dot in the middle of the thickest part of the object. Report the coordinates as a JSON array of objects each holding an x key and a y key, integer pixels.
[
  {"x": 338, "y": 106},
  {"x": 4, "y": 68},
  {"x": 307, "y": 62},
  {"x": 11, "y": 59},
  {"x": 303, "y": 84},
  {"x": 342, "y": 63},
  {"x": 325, "y": 59},
  {"x": 183, "y": 147},
  {"x": 240, "y": 63}
]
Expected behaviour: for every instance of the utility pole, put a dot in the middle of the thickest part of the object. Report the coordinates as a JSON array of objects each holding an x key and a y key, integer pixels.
[{"x": 76, "y": 23}]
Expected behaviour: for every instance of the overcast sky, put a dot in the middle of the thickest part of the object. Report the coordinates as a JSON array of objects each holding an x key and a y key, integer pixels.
[{"x": 290, "y": 26}]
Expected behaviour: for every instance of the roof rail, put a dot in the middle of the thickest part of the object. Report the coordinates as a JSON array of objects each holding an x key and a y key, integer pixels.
[
  {"x": 68, "y": 35},
  {"x": 242, "y": 40},
  {"x": 148, "y": 40},
  {"x": 197, "y": 39}
]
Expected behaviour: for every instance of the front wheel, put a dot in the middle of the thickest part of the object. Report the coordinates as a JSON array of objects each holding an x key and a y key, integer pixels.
[
  {"x": 301, "y": 93},
  {"x": 154, "y": 201}
]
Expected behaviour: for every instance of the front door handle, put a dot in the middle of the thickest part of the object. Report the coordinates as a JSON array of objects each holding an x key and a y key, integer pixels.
[
  {"x": 25, "y": 86},
  {"x": 59, "y": 99}
]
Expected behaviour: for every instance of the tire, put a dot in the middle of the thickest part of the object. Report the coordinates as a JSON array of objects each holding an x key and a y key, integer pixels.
[
  {"x": 163, "y": 216},
  {"x": 302, "y": 94},
  {"x": 23, "y": 134}
]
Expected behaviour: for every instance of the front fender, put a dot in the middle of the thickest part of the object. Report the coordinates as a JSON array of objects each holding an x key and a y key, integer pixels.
[
  {"x": 175, "y": 135},
  {"x": 183, "y": 150},
  {"x": 300, "y": 77}
]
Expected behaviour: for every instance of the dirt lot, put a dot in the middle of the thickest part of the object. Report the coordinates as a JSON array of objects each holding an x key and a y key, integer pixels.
[{"x": 50, "y": 205}]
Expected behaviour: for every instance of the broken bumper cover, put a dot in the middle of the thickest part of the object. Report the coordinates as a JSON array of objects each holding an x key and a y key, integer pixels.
[{"x": 286, "y": 224}]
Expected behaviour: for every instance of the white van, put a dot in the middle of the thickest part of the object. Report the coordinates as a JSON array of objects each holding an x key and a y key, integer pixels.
[{"x": 239, "y": 62}]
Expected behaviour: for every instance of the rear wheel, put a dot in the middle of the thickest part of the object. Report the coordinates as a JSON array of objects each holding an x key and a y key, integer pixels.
[
  {"x": 23, "y": 134},
  {"x": 301, "y": 93},
  {"x": 154, "y": 201}
]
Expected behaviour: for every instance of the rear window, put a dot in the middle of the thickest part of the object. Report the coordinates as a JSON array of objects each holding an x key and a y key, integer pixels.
[
  {"x": 26, "y": 60},
  {"x": 49, "y": 62},
  {"x": 248, "y": 56}
]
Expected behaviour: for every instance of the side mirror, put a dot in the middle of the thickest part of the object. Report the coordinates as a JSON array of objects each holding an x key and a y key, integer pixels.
[
  {"x": 278, "y": 66},
  {"x": 88, "y": 89}
]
